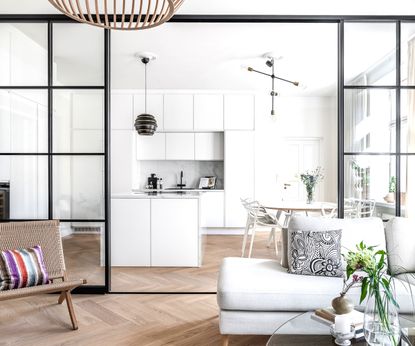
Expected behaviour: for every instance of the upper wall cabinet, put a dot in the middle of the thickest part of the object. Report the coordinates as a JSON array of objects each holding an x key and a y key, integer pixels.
[
  {"x": 239, "y": 112},
  {"x": 208, "y": 113},
  {"x": 178, "y": 112},
  {"x": 209, "y": 146},
  {"x": 151, "y": 147},
  {"x": 180, "y": 146},
  {"x": 154, "y": 107},
  {"x": 122, "y": 112}
]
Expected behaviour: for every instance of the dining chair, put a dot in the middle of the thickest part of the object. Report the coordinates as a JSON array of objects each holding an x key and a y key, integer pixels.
[
  {"x": 257, "y": 216},
  {"x": 328, "y": 211},
  {"x": 359, "y": 208}
]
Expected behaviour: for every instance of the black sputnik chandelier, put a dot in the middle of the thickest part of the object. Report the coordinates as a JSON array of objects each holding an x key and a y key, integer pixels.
[{"x": 270, "y": 62}]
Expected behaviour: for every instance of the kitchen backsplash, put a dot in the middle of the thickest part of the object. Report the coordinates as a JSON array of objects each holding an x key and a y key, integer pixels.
[{"x": 170, "y": 172}]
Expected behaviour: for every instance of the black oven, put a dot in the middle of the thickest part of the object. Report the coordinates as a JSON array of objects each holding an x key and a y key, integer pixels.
[{"x": 4, "y": 200}]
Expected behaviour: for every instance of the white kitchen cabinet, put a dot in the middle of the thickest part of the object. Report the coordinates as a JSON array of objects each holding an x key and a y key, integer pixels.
[
  {"x": 212, "y": 209},
  {"x": 209, "y": 146},
  {"x": 239, "y": 175},
  {"x": 208, "y": 113},
  {"x": 151, "y": 147},
  {"x": 239, "y": 112},
  {"x": 180, "y": 146},
  {"x": 178, "y": 112},
  {"x": 130, "y": 232},
  {"x": 121, "y": 160},
  {"x": 122, "y": 112},
  {"x": 154, "y": 107},
  {"x": 175, "y": 232}
]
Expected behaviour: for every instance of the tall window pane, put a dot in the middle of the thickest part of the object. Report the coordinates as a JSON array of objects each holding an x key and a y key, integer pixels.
[
  {"x": 23, "y": 121},
  {"x": 370, "y": 120},
  {"x": 78, "y": 55},
  {"x": 25, "y": 178},
  {"x": 23, "y": 54},
  {"x": 369, "y": 53},
  {"x": 408, "y": 121},
  {"x": 78, "y": 121},
  {"x": 78, "y": 187},
  {"x": 370, "y": 185},
  {"x": 408, "y": 186}
]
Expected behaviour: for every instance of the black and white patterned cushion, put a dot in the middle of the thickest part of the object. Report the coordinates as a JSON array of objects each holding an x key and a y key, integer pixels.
[{"x": 315, "y": 253}]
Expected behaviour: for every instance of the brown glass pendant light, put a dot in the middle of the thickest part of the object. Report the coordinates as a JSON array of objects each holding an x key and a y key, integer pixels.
[
  {"x": 119, "y": 14},
  {"x": 145, "y": 123}
]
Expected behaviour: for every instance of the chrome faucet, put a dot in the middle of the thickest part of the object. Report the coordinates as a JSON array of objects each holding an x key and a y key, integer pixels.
[{"x": 181, "y": 185}]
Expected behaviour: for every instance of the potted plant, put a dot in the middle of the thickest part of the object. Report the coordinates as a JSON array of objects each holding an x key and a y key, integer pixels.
[
  {"x": 390, "y": 197},
  {"x": 381, "y": 321},
  {"x": 310, "y": 180}
]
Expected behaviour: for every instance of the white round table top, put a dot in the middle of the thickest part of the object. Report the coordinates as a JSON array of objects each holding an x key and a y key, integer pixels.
[{"x": 301, "y": 206}]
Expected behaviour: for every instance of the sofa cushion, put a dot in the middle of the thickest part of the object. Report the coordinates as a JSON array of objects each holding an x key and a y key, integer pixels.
[
  {"x": 315, "y": 253},
  {"x": 369, "y": 230},
  {"x": 400, "y": 236},
  {"x": 252, "y": 284}
]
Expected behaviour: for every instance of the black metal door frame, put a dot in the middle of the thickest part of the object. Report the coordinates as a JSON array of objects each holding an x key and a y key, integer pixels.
[{"x": 51, "y": 19}]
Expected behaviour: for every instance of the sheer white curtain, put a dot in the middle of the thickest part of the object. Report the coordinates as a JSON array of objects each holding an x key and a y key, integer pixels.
[{"x": 410, "y": 168}]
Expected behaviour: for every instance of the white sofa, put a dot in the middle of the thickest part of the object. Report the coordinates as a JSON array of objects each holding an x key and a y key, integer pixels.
[{"x": 255, "y": 296}]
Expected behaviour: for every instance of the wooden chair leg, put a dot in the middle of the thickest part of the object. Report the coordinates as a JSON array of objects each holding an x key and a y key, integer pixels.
[
  {"x": 225, "y": 340},
  {"x": 61, "y": 298},
  {"x": 71, "y": 310}
]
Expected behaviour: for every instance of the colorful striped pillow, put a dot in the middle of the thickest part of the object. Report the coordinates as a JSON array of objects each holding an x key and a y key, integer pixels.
[{"x": 22, "y": 268}]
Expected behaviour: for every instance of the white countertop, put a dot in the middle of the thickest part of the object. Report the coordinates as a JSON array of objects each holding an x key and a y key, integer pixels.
[{"x": 158, "y": 195}]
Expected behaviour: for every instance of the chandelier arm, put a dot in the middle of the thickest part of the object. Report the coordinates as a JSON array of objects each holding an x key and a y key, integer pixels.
[
  {"x": 81, "y": 12},
  {"x": 147, "y": 15},
  {"x": 114, "y": 15},
  {"x": 62, "y": 3},
  {"x": 97, "y": 12},
  {"x": 88, "y": 10},
  {"x": 260, "y": 72},
  {"x": 140, "y": 12},
  {"x": 123, "y": 14},
  {"x": 163, "y": 11},
  {"x": 132, "y": 14},
  {"x": 106, "y": 13},
  {"x": 73, "y": 9},
  {"x": 153, "y": 16},
  {"x": 285, "y": 80}
]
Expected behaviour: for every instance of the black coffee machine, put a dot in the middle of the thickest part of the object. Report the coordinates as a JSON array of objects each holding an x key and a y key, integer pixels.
[{"x": 152, "y": 181}]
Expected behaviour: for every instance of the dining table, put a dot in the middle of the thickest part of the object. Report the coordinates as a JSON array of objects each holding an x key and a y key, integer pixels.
[{"x": 294, "y": 207}]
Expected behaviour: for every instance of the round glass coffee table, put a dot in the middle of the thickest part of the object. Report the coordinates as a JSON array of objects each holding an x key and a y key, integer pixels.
[{"x": 303, "y": 330}]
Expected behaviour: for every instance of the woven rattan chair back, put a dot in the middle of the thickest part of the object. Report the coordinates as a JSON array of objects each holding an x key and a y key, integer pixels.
[{"x": 17, "y": 235}]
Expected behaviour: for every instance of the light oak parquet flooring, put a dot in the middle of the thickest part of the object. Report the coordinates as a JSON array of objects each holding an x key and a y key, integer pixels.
[
  {"x": 82, "y": 260},
  {"x": 141, "y": 320}
]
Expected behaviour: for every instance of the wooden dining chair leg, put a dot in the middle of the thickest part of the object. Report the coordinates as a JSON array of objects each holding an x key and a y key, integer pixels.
[
  {"x": 71, "y": 310},
  {"x": 61, "y": 298}
]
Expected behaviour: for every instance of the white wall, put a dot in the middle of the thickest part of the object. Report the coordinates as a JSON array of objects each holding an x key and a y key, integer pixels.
[{"x": 297, "y": 117}]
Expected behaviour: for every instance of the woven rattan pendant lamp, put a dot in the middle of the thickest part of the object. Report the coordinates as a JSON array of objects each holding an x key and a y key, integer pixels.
[{"x": 119, "y": 14}]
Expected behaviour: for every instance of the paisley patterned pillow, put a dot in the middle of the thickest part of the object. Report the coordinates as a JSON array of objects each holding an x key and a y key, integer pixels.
[{"x": 315, "y": 253}]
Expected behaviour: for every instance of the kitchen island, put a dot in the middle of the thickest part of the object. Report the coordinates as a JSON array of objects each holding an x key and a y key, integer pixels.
[{"x": 156, "y": 229}]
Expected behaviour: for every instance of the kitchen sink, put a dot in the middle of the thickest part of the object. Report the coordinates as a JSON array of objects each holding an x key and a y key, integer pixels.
[{"x": 180, "y": 189}]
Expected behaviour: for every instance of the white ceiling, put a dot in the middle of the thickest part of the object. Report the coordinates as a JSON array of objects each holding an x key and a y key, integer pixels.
[
  {"x": 212, "y": 56},
  {"x": 283, "y": 7}
]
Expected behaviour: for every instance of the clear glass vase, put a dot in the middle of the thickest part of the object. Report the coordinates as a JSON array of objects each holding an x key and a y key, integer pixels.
[
  {"x": 310, "y": 194},
  {"x": 381, "y": 321}
]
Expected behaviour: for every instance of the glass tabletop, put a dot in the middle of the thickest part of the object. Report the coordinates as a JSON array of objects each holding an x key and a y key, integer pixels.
[{"x": 301, "y": 329}]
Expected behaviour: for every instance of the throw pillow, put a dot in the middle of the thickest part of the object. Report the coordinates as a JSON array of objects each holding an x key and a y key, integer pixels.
[
  {"x": 22, "y": 268},
  {"x": 315, "y": 253}
]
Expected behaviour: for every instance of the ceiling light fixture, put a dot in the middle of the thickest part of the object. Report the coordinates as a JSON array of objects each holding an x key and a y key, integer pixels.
[
  {"x": 119, "y": 14},
  {"x": 270, "y": 62},
  {"x": 145, "y": 123}
]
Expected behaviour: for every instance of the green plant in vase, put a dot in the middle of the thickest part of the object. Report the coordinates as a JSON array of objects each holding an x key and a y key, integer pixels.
[
  {"x": 381, "y": 322},
  {"x": 310, "y": 179}
]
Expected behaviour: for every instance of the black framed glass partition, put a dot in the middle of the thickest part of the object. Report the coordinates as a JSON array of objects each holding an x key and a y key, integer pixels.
[
  {"x": 377, "y": 116},
  {"x": 53, "y": 135}
]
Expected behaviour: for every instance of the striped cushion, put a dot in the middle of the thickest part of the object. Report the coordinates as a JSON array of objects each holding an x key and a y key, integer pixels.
[{"x": 22, "y": 268}]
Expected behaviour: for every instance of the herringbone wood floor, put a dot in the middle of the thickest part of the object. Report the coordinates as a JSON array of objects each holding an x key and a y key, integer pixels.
[
  {"x": 139, "y": 320},
  {"x": 82, "y": 260}
]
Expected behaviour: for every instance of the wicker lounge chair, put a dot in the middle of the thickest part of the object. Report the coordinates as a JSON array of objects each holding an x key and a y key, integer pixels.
[{"x": 16, "y": 235}]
